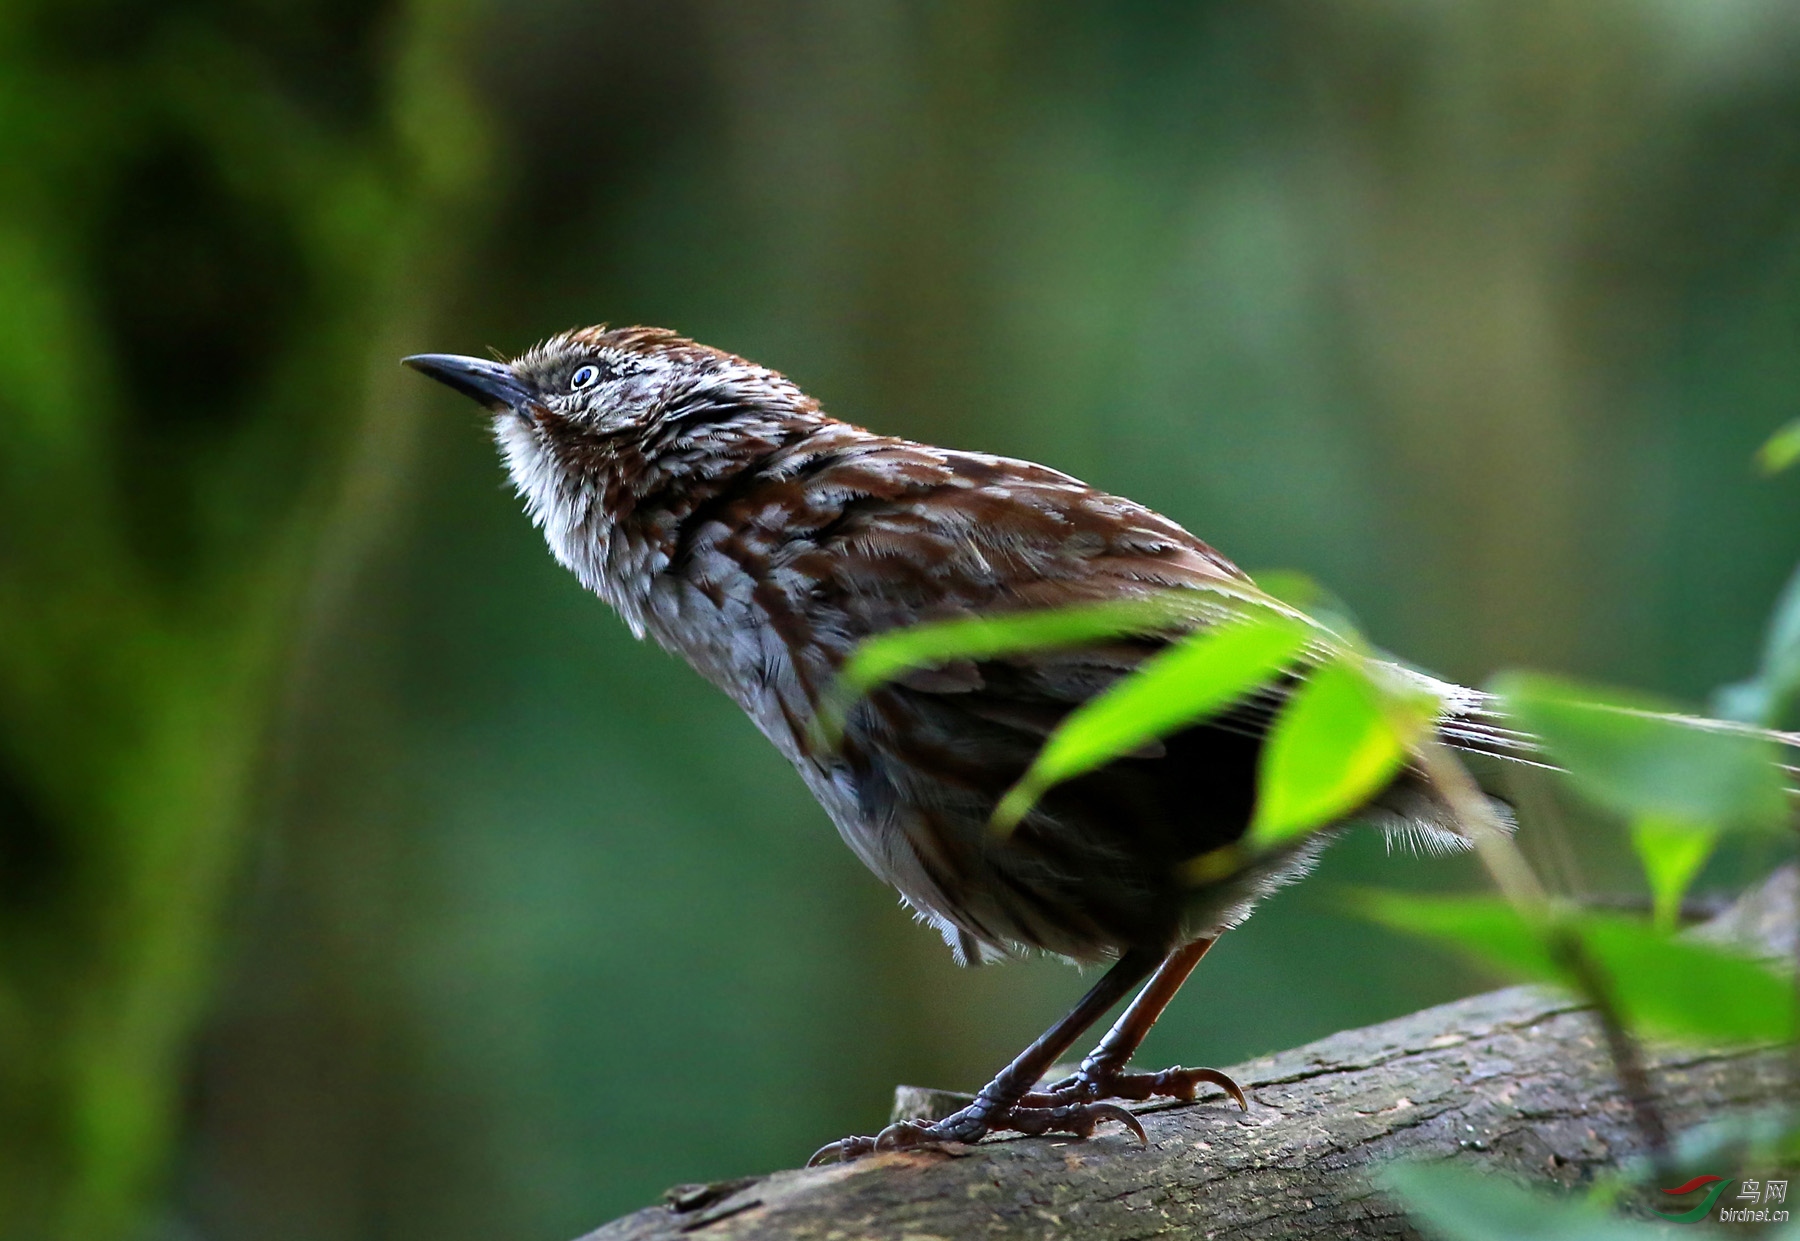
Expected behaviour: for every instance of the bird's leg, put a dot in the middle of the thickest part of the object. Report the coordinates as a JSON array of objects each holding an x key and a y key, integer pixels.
[
  {"x": 1102, "y": 1074},
  {"x": 996, "y": 1105}
]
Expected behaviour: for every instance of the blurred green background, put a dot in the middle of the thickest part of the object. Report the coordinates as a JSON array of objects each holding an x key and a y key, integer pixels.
[{"x": 360, "y": 877}]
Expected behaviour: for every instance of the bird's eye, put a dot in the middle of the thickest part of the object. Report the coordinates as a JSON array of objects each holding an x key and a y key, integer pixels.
[{"x": 583, "y": 377}]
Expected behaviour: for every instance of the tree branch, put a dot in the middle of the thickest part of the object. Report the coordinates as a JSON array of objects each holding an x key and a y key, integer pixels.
[{"x": 1516, "y": 1080}]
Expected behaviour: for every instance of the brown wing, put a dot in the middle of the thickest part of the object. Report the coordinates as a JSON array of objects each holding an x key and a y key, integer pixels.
[{"x": 851, "y": 535}]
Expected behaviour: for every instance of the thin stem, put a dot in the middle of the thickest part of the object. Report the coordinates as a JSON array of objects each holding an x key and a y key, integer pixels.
[
  {"x": 1520, "y": 885},
  {"x": 1628, "y": 1062},
  {"x": 1794, "y": 1047},
  {"x": 1511, "y": 873}
]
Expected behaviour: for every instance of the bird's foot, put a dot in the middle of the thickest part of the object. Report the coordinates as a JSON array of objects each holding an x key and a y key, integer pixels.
[
  {"x": 1092, "y": 1082},
  {"x": 1080, "y": 1118}
]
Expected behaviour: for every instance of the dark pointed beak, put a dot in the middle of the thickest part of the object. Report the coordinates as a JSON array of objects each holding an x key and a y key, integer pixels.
[{"x": 491, "y": 383}]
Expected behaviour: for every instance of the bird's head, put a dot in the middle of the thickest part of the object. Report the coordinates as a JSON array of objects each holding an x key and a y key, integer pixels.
[{"x": 594, "y": 422}]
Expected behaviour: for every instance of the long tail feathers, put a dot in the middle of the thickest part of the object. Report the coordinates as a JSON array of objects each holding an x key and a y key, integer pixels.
[{"x": 1475, "y": 723}]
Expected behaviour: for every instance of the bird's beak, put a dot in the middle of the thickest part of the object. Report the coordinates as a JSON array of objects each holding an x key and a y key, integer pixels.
[{"x": 491, "y": 383}]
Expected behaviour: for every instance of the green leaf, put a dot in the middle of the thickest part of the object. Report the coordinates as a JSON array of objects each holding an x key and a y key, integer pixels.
[
  {"x": 1340, "y": 740},
  {"x": 1672, "y": 853},
  {"x": 1456, "y": 1203},
  {"x": 1766, "y": 698},
  {"x": 1662, "y": 984},
  {"x": 891, "y": 655},
  {"x": 1635, "y": 757},
  {"x": 894, "y": 654},
  {"x": 1780, "y": 450},
  {"x": 1193, "y": 679}
]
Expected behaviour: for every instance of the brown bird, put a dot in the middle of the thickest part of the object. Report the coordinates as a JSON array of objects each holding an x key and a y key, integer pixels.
[{"x": 722, "y": 512}]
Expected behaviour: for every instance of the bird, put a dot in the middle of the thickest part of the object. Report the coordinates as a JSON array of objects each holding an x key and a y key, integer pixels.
[{"x": 724, "y": 514}]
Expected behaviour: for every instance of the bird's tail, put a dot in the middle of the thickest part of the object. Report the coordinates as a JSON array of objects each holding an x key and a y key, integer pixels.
[{"x": 1475, "y": 722}]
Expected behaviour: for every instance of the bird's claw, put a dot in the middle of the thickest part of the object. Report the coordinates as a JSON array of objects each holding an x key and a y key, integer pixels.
[
  {"x": 906, "y": 1135},
  {"x": 841, "y": 1151},
  {"x": 1183, "y": 1081},
  {"x": 1177, "y": 1083},
  {"x": 1088, "y": 1116},
  {"x": 902, "y": 1135},
  {"x": 1079, "y": 1118}
]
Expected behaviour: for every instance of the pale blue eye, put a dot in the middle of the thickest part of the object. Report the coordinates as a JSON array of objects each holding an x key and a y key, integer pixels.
[{"x": 583, "y": 377}]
